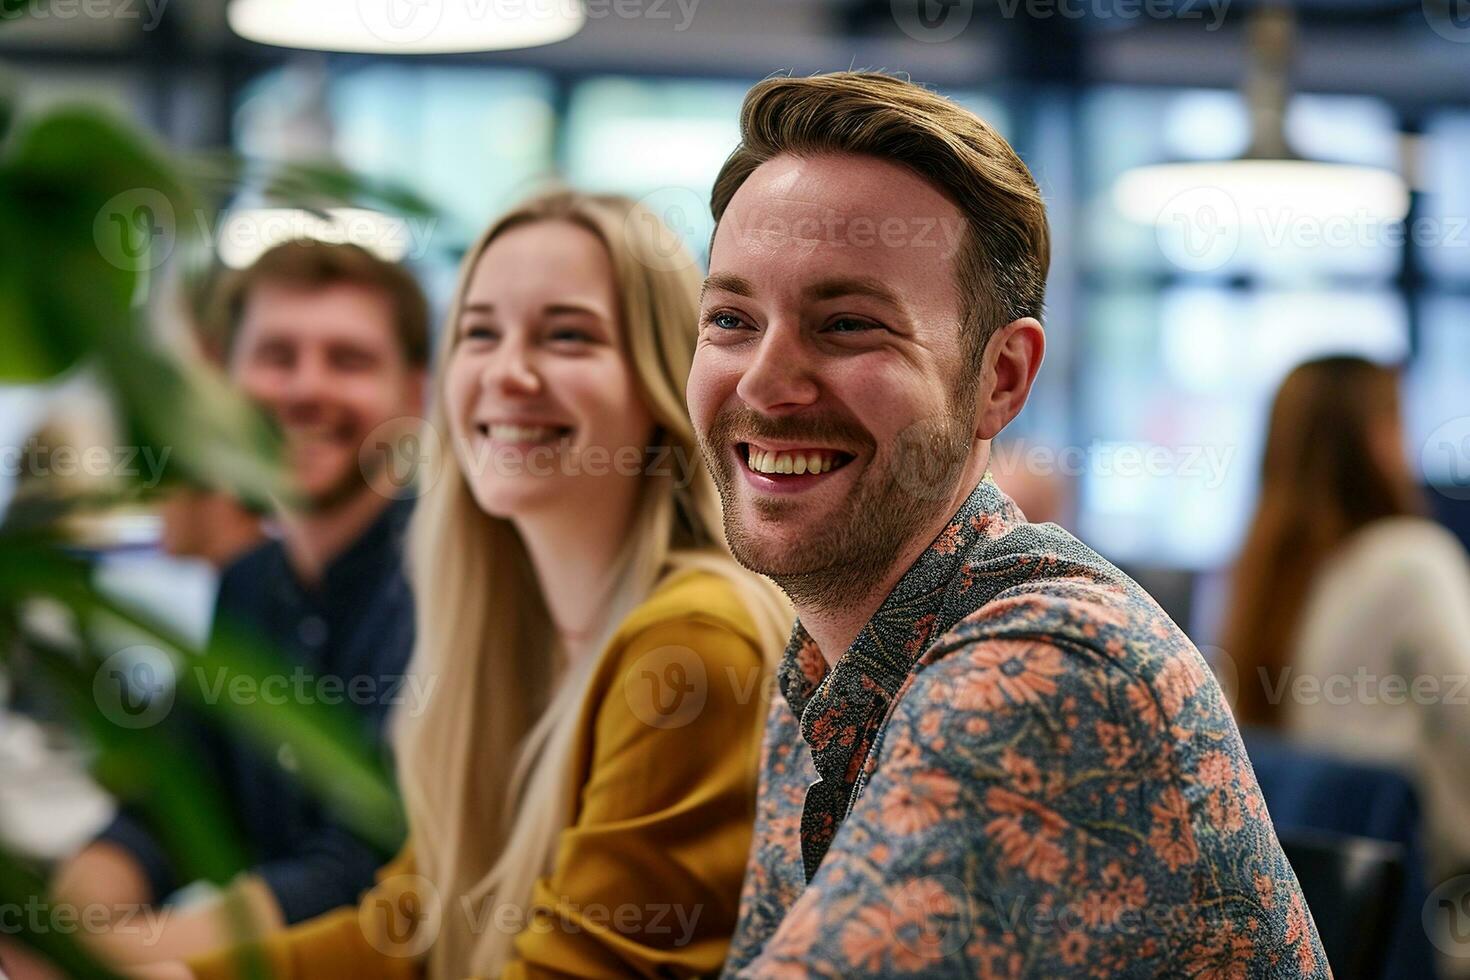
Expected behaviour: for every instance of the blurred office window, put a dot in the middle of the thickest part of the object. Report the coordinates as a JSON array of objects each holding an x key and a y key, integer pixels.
[
  {"x": 1437, "y": 404},
  {"x": 471, "y": 141},
  {"x": 638, "y": 135},
  {"x": 660, "y": 141},
  {"x": 1445, "y": 228},
  {"x": 1172, "y": 407},
  {"x": 468, "y": 140}
]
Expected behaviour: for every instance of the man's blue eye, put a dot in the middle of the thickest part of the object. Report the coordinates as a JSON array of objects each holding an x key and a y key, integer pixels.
[
  {"x": 725, "y": 321},
  {"x": 849, "y": 325}
]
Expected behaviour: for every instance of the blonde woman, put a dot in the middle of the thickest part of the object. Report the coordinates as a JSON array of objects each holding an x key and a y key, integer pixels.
[{"x": 580, "y": 787}]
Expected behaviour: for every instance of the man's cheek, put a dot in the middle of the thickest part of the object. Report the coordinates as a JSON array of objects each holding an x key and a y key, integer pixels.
[
  {"x": 259, "y": 387},
  {"x": 710, "y": 383}
]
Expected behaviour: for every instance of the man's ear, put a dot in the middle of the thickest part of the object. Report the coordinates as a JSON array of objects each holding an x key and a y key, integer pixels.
[{"x": 1008, "y": 368}]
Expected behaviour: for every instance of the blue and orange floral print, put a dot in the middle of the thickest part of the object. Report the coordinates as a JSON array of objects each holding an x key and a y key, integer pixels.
[{"x": 1021, "y": 767}]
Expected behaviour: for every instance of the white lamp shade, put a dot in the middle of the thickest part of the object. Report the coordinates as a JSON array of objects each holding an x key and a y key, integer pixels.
[
  {"x": 406, "y": 26},
  {"x": 1259, "y": 192}
]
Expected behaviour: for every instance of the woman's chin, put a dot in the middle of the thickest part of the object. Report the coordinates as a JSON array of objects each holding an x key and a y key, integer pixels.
[{"x": 516, "y": 497}]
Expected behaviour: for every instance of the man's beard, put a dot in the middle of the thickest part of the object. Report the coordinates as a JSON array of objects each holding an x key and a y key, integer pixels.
[
  {"x": 895, "y": 499},
  {"x": 347, "y": 486}
]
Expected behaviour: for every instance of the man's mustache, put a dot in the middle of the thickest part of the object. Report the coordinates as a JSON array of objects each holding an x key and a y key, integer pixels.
[{"x": 827, "y": 430}]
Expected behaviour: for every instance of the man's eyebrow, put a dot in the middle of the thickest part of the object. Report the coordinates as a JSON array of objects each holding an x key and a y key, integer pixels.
[
  {"x": 728, "y": 283},
  {"x": 477, "y": 308},
  {"x": 852, "y": 286}
]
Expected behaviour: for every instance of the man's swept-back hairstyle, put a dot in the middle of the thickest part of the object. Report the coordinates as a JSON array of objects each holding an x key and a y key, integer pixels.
[
  {"x": 310, "y": 265},
  {"x": 1002, "y": 262}
]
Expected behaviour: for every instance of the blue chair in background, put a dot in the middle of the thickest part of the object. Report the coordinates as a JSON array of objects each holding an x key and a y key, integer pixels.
[{"x": 1352, "y": 834}]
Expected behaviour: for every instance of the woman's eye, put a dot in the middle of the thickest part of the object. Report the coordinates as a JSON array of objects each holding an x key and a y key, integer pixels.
[
  {"x": 479, "y": 333},
  {"x": 570, "y": 335}
]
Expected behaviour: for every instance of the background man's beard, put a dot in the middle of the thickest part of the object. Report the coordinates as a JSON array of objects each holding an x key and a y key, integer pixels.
[
  {"x": 350, "y": 485},
  {"x": 847, "y": 558}
]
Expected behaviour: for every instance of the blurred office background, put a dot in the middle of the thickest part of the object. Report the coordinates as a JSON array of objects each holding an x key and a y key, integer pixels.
[{"x": 1173, "y": 315}]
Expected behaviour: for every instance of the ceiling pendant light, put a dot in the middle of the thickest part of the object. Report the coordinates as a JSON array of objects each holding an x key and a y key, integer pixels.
[
  {"x": 1270, "y": 179},
  {"x": 406, "y": 26}
]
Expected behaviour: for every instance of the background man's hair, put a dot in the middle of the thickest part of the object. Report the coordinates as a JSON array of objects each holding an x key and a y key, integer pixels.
[
  {"x": 308, "y": 264},
  {"x": 1002, "y": 262}
]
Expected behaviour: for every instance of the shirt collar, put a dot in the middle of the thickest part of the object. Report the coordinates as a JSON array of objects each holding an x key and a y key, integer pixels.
[
  {"x": 376, "y": 552},
  {"x": 889, "y": 643}
]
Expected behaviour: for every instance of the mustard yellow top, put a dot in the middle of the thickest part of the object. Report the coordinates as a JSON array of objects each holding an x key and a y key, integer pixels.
[{"x": 646, "y": 880}]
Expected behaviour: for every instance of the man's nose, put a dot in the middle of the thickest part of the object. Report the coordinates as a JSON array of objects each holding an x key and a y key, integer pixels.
[
  {"x": 779, "y": 377},
  {"x": 310, "y": 379}
]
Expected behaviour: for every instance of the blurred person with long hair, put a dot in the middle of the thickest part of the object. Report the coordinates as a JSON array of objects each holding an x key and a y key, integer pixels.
[
  {"x": 1349, "y": 620},
  {"x": 581, "y": 785}
]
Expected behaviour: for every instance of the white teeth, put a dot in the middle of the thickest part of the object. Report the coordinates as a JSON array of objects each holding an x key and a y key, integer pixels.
[
  {"x": 521, "y": 433},
  {"x": 815, "y": 461}
]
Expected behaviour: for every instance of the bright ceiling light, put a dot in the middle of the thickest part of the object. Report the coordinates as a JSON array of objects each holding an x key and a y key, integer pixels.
[
  {"x": 1270, "y": 183},
  {"x": 1258, "y": 192},
  {"x": 246, "y": 234},
  {"x": 406, "y": 26}
]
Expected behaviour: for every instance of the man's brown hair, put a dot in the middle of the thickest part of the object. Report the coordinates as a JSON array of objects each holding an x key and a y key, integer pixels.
[
  {"x": 308, "y": 264},
  {"x": 1002, "y": 262}
]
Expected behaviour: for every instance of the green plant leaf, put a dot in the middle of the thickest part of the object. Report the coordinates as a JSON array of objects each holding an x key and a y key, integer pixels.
[{"x": 328, "y": 741}]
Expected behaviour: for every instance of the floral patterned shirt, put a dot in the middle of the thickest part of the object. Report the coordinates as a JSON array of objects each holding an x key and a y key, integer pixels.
[{"x": 1021, "y": 767}]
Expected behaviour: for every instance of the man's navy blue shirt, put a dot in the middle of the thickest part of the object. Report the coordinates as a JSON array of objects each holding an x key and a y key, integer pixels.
[{"x": 357, "y": 622}]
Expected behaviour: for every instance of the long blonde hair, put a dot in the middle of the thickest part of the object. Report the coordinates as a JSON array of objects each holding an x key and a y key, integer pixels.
[{"x": 485, "y": 769}]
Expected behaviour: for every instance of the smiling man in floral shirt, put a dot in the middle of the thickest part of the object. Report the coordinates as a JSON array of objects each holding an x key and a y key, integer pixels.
[{"x": 992, "y": 753}]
